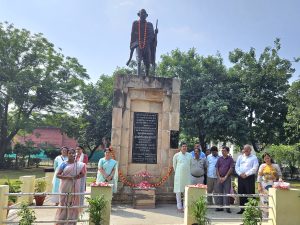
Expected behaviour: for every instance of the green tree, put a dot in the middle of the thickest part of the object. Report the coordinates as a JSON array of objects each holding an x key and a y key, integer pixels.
[
  {"x": 97, "y": 113},
  {"x": 286, "y": 155},
  {"x": 209, "y": 104},
  {"x": 23, "y": 152},
  {"x": 92, "y": 121},
  {"x": 292, "y": 125},
  {"x": 34, "y": 78},
  {"x": 264, "y": 82}
]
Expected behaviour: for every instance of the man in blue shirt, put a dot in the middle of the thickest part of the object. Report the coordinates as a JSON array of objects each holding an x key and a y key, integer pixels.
[
  {"x": 212, "y": 179},
  {"x": 198, "y": 146}
]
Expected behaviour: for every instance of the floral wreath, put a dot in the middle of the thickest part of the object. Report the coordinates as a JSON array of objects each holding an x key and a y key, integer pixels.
[{"x": 143, "y": 184}]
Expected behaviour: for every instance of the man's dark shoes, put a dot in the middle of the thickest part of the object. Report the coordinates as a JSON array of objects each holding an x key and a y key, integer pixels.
[
  {"x": 228, "y": 210},
  {"x": 240, "y": 212},
  {"x": 219, "y": 209}
]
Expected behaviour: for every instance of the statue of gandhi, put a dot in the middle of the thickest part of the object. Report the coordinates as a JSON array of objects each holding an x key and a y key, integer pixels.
[{"x": 144, "y": 40}]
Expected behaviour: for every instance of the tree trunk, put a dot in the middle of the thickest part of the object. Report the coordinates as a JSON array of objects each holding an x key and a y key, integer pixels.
[
  {"x": 92, "y": 151},
  {"x": 202, "y": 140},
  {"x": 256, "y": 149},
  {"x": 3, "y": 147}
]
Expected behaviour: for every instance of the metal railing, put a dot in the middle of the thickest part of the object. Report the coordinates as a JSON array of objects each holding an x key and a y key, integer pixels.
[
  {"x": 67, "y": 207},
  {"x": 236, "y": 206}
]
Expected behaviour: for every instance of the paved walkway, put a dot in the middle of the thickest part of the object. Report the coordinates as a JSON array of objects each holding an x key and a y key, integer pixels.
[{"x": 164, "y": 214}]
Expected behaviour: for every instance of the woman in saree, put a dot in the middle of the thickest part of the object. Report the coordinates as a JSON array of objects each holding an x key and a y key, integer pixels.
[
  {"x": 55, "y": 182},
  {"x": 70, "y": 172},
  {"x": 81, "y": 157},
  {"x": 268, "y": 173},
  {"x": 108, "y": 170}
]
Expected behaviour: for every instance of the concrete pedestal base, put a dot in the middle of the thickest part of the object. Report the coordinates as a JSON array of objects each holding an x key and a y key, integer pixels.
[{"x": 144, "y": 198}]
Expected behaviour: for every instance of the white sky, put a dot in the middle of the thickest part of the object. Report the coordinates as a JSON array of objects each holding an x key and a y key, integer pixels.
[{"x": 97, "y": 32}]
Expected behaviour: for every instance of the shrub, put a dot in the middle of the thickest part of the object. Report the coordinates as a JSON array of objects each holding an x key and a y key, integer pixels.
[
  {"x": 96, "y": 207},
  {"x": 14, "y": 187},
  {"x": 199, "y": 211},
  {"x": 252, "y": 214},
  {"x": 27, "y": 216}
]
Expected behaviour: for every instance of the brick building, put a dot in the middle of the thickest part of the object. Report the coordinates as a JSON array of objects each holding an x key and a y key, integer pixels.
[{"x": 48, "y": 135}]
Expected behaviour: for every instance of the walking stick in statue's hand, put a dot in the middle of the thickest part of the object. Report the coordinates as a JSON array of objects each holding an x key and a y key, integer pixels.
[
  {"x": 130, "y": 56},
  {"x": 154, "y": 47}
]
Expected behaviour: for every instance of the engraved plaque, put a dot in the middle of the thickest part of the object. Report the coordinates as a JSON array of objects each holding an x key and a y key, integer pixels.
[{"x": 145, "y": 138}]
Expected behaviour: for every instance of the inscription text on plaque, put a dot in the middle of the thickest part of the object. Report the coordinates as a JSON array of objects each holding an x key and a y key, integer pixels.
[{"x": 145, "y": 138}]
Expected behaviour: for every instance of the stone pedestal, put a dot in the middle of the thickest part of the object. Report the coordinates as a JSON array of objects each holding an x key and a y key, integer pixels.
[
  {"x": 145, "y": 114},
  {"x": 285, "y": 205},
  {"x": 191, "y": 195},
  {"x": 27, "y": 186},
  {"x": 143, "y": 198},
  {"x": 106, "y": 191},
  {"x": 49, "y": 173},
  {"x": 4, "y": 189}
]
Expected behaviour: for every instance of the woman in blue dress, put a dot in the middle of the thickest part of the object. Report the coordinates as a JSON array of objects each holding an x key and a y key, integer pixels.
[{"x": 108, "y": 170}]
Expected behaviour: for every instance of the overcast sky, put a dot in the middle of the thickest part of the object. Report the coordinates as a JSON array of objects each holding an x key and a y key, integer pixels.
[{"x": 97, "y": 32}]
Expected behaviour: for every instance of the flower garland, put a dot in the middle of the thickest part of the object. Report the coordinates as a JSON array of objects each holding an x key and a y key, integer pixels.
[
  {"x": 143, "y": 184},
  {"x": 198, "y": 186},
  {"x": 142, "y": 45},
  {"x": 101, "y": 184},
  {"x": 144, "y": 174}
]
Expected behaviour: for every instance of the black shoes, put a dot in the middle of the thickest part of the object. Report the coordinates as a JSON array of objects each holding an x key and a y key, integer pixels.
[
  {"x": 240, "y": 212},
  {"x": 228, "y": 210}
]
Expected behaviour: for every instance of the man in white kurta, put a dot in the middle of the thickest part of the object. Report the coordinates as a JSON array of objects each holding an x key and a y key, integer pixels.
[{"x": 182, "y": 168}]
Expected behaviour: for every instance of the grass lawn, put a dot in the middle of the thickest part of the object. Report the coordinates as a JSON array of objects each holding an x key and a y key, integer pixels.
[
  {"x": 38, "y": 172},
  {"x": 15, "y": 174},
  {"x": 294, "y": 183}
]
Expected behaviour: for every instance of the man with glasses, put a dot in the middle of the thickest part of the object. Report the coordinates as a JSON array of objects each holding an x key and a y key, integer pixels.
[
  {"x": 198, "y": 168},
  {"x": 224, "y": 168},
  {"x": 246, "y": 167}
]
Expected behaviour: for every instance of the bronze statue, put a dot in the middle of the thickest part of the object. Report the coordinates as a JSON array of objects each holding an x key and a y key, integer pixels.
[{"x": 144, "y": 40}]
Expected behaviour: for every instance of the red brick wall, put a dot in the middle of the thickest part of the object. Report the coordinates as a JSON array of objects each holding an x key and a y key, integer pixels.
[{"x": 50, "y": 135}]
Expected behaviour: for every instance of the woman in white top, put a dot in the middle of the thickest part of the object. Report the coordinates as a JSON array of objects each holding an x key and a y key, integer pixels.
[{"x": 57, "y": 162}]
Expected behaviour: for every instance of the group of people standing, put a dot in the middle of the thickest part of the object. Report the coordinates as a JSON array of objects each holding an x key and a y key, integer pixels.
[
  {"x": 70, "y": 178},
  {"x": 193, "y": 167},
  {"x": 190, "y": 168}
]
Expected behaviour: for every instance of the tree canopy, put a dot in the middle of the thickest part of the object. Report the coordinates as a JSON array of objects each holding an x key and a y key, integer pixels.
[
  {"x": 263, "y": 86},
  {"x": 251, "y": 102},
  {"x": 292, "y": 124},
  {"x": 209, "y": 105},
  {"x": 34, "y": 78},
  {"x": 246, "y": 103}
]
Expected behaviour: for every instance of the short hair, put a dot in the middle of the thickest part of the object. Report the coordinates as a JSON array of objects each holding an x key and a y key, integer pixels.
[
  {"x": 213, "y": 148},
  {"x": 248, "y": 146},
  {"x": 182, "y": 143},
  {"x": 226, "y": 148}
]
